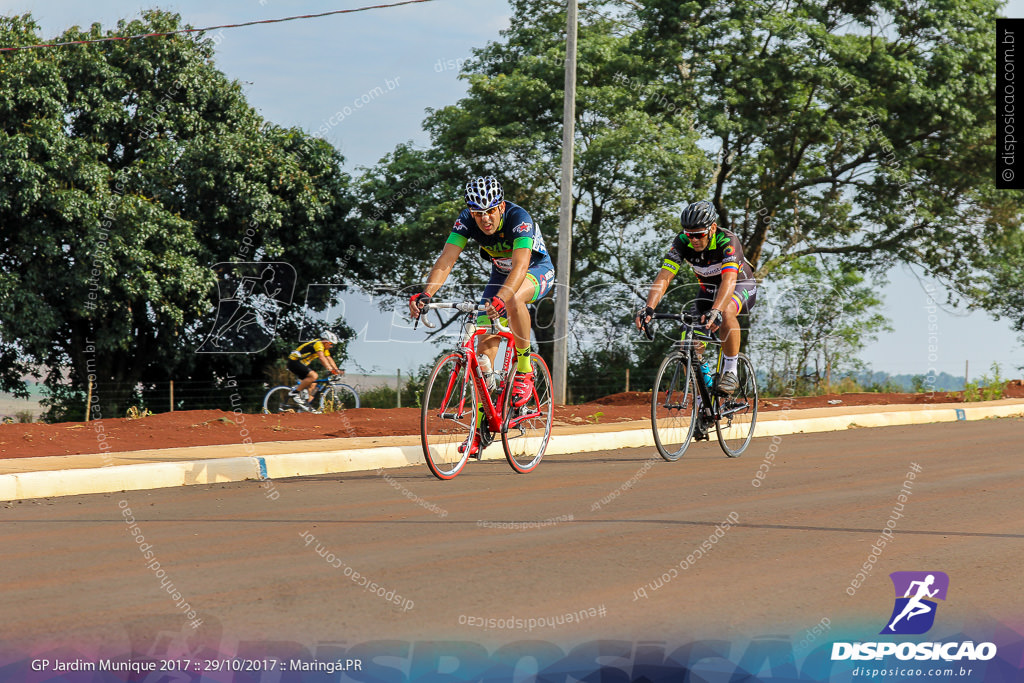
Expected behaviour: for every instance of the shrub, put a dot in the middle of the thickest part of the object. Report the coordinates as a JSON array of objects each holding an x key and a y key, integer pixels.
[{"x": 986, "y": 388}]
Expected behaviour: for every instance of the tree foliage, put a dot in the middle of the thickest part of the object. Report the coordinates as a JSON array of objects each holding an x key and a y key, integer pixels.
[
  {"x": 632, "y": 160},
  {"x": 863, "y": 131},
  {"x": 818, "y": 319},
  {"x": 130, "y": 168}
]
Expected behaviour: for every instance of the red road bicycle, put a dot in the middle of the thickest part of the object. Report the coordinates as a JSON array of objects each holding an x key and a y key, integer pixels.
[{"x": 457, "y": 386}]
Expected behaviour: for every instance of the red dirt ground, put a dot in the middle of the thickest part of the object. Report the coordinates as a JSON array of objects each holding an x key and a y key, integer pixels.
[{"x": 213, "y": 427}]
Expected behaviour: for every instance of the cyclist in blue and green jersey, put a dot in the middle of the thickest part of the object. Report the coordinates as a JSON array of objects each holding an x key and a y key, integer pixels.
[
  {"x": 727, "y": 285},
  {"x": 521, "y": 270}
]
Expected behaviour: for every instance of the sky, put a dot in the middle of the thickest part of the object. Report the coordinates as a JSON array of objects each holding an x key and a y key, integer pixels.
[{"x": 303, "y": 73}]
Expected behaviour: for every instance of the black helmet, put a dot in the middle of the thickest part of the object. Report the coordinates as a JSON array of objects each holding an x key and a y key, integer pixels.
[{"x": 698, "y": 216}]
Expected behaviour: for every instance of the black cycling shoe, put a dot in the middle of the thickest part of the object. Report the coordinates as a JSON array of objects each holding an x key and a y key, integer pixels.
[
  {"x": 700, "y": 432},
  {"x": 482, "y": 438}
]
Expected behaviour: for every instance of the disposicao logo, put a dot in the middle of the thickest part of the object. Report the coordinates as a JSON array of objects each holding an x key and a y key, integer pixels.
[
  {"x": 914, "y": 611},
  {"x": 913, "y": 614}
]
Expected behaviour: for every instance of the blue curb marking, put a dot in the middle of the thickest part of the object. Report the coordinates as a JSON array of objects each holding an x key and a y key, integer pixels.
[
  {"x": 263, "y": 468},
  {"x": 960, "y": 414}
]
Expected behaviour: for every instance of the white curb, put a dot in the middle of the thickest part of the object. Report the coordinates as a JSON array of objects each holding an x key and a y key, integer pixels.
[
  {"x": 46, "y": 484},
  {"x": 155, "y": 475}
]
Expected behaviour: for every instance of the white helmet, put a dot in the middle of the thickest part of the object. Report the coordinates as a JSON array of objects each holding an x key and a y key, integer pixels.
[
  {"x": 483, "y": 193},
  {"x": 329, "y": 336}
]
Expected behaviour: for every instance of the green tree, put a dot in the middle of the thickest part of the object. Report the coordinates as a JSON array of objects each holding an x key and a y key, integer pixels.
[
  {"x": 864, "y": 130},
  {"x": 129, "y": 169},
  {"x": 635, "y": 158},
  {"x": 1000, "y": 290},
  {"x": 809, "y": 333}
]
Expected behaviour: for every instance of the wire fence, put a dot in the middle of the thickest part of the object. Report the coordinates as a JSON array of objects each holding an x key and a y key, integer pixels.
[{"x": 107, "y": 400}]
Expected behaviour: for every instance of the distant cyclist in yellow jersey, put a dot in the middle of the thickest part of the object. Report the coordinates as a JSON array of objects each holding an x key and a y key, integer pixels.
[{"x": 300, "y": 358}]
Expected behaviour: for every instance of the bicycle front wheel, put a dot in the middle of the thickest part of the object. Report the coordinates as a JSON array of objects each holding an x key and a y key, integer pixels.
[
  {"x": 337, "y": 398},
  {"x": 673, "y": 406},
  {"x": 278, "y": 400},
  {"x": 738, "y": 411},
  {"x": 448, "y": 416},
  {"x": 525, "y": 431}
]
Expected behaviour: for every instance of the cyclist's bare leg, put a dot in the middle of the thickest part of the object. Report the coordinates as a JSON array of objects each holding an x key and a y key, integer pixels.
[
  {"x": 488, "y": 345},
  {"x": 518, "y": 321},
  {"x": 519, "y": 314},
  {"x": 729, "y": 332},
  {"x": 308, "y": 382}
]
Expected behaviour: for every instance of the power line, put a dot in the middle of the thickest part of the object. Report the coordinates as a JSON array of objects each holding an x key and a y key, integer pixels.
[{"x": 211, "y": 28}]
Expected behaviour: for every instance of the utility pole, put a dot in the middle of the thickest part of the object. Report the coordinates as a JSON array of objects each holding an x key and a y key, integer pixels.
[{"x": 561, "y": 355}]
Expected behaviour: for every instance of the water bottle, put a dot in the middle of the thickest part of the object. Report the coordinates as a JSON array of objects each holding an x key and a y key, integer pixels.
[
  {"x": 705, "y": 371},
  {"x": 487, "y": 370}
]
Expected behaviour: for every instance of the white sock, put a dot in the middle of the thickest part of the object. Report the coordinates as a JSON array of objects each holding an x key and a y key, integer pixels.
[{"x": 729, "y": 363}]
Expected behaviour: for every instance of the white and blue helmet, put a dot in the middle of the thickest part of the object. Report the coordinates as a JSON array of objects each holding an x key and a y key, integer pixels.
[{"x": 483, "y": 193}]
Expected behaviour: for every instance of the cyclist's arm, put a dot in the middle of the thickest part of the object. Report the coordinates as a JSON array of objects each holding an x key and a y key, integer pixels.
[
  {"x": 328, "y": 362},
  {"x": 442, "y": 268},
  {"x": 725, "y": 289},
  {"x": 520, "y": 266},
  {"x": 659, "y": 287}
]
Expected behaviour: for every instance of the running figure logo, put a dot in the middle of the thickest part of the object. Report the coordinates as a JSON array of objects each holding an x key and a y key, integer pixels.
[
  {"x": 251, "y": 297},
  {"x": 914, "y": 612}
]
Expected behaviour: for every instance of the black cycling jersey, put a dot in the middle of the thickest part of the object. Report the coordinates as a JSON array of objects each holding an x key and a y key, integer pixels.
[{"x": 723, "y": 253}]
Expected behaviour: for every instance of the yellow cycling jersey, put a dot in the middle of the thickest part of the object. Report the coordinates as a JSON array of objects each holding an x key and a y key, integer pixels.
[{"x": 307, "y": 353}]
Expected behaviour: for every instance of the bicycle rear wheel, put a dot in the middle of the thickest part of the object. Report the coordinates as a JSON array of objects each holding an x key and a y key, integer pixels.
[
  {"x": 337, "y": 398},
  {"x": 278, "y": 400},
  {"x": 525, "y": 431},
  {"x": 448, "y": 417},
  {"x": 738, "y": 411},
  {"x": 673, "y": 406}
]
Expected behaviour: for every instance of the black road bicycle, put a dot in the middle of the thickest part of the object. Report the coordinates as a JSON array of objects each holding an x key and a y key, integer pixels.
[{"x": 683, "y": 405}]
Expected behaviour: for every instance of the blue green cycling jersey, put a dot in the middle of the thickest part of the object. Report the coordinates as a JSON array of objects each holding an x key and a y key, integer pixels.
[{"x": 516, "y": 230}]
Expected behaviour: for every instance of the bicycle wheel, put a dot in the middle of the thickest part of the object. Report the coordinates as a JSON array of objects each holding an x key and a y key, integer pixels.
[
  {"x": 525, "y": 431},
  {"x": 277, "y": 400},
  {"x": 673, "y": 406},
  {"x": 448, "y": 416},
  {"x": 337, "y": 398},
  {"x": 738, "y": 411}
]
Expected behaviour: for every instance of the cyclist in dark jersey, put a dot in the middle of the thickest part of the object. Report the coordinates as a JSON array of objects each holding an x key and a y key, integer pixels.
[
  {"x": 521, "y": 270},
  {"x": 727, "y": 286}
]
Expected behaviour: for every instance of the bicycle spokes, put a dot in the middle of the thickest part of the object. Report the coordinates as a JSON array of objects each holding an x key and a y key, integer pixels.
[
  {"x": 527, "y": 429},
  {"x": 448, "y": 416},
  {"x": 738, "y": 411},
  {"x": 674, "y": 406}
]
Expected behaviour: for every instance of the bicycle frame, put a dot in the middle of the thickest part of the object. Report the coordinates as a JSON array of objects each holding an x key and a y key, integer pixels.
[
  {"x": 687, "y": 344},
  {"x": 733, "y": 415},
  {"x": 467, "y": 347},
  {"x": 449, "y": 411}
]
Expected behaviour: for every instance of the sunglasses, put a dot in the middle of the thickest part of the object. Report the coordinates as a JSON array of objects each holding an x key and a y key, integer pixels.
[
  {"x": 696, "y": 235},
  {"x": 476, "y": 212}
]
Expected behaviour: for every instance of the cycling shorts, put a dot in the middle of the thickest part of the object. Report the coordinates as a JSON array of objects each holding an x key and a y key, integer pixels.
[
  {"x": 744, "y": 296},
  {"x": 298, "y": 369},
  {"x": 541, "y": 274}
]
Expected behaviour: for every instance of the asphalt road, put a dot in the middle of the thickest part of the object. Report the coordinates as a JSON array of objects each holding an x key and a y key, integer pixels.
[{"x": 632, "y": 547}]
